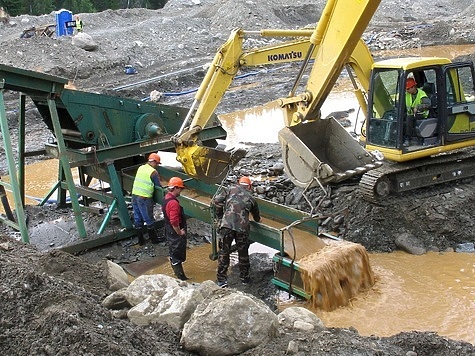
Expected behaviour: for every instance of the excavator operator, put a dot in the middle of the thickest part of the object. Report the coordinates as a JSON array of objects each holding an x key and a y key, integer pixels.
[
  {"x": 417, "y": 101},
  {"x": 417, "y": 107}
]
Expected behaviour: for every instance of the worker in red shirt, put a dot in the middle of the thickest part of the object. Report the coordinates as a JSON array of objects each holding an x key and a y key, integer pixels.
[{"x": 175, "y": 226}]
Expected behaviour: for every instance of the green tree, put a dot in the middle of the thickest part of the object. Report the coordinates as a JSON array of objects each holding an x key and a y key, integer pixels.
[
  {"x": 39, "y": 7},
  {"x": 148, "y": 4},
  {"x": 76, "y": 6},
  {"x": 14, "y": 7},
  {"x": 101, "y": 5},
  {"x": 157, "y": 4}
]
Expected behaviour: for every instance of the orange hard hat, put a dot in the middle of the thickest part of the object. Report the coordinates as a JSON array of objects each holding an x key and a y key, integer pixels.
[
  {"x": 410, "y": 83},
  {"x": 176, "y": 182},
  {"x": 154, "y": 157},
  {"x": 245, "y": 181}
]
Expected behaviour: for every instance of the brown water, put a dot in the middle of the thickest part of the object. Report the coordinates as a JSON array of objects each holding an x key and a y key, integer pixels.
[
  {"x": 39, "y": 178},
  {"x": 433, "y": 292},
  {"x": 336, "y": 274},
  {"x": 262, "y": 124}
]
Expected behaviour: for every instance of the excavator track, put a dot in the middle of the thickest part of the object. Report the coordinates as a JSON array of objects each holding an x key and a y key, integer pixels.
[{"x": 392, "y": 179}]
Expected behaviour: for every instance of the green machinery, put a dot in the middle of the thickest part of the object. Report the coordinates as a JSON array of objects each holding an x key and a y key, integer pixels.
[
  {"x": 106, "y": 138},
  {"x": 99, "y": 135}
]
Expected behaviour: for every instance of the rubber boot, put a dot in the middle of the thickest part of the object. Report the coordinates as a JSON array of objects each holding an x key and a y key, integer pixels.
[
  {"x": 152, "y": 233},
  {"x": 179, "y": 273},
  {"x": 140, "y": 237}
]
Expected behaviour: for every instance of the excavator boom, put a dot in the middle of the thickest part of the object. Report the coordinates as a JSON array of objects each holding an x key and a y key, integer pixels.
[
  {"x": 331, "y": 44},
  {"x": 211, "y": 164},
  {"x": 337, "y": 33},
  {"x": 315, "y": 151}
]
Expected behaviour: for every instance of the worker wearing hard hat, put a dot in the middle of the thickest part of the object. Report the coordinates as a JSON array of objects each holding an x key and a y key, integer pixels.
[
  {"x": 146, "y": 181},
  {"x": 233, "y": 205},
  {"x": 175, "y": 226},
  {"x": 417, "y": 101}
]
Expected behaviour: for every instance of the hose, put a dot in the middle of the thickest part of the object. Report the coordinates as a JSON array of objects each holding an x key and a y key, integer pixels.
[{"x": 172, "y": 94}]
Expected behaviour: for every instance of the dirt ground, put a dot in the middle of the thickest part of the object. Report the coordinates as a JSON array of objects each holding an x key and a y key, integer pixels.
[{"x": 51, "y": 300}]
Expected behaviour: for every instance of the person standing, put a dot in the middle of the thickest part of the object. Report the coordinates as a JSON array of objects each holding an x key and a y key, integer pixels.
[
  {"x": 79, "y": 25},
  {"x": 175, "y": 226},
  {"x": 146, "y": 181},
  {"x": 233, "y": 206}
]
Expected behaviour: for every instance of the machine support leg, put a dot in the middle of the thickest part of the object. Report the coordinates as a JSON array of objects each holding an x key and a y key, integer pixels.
[
  {"x": 50, "y": 193},
  {"x": 64, "y": 162},
  {"x": 21, "y": 148},
  {"x": 12, "y": 172},
  {"x": 6, "y": 204},
  {"x": 119, "y": 196}
]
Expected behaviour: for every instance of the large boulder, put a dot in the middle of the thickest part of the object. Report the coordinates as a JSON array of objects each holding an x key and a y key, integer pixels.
[
  {"x": 228, "y": 323},
  {"x": 143, "y": 286},
  {"x": 116, "y": 276},
  {"x": 410, "y": 244},
  {"x": 84, "y": 41},
  {"x": 300, "y": 319},
  {"x": 172, "y": 306},
  {"x": 116, "y": 300}
]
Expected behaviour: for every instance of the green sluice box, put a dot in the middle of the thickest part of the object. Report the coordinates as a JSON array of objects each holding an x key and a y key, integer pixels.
[{"x": 287, "y": 276}]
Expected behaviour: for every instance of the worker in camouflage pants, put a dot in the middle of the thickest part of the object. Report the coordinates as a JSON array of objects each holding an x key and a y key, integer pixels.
[{"x": 233, "y": 206}]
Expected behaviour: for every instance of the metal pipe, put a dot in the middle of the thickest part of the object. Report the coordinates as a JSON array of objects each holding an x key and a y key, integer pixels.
[{"x": 69, "y": 132}]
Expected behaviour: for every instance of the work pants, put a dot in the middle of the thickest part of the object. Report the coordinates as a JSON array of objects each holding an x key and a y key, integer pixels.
[
  {"x": 143, "y": 211},
  {"x": 227, "y": 236},
  {"x": 176, "y": 245}
]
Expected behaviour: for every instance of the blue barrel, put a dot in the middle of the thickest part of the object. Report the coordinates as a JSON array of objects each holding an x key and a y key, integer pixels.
[{"x": 63, "y": 23}]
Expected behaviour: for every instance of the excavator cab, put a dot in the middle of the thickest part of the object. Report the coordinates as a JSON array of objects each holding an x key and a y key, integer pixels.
[{"x": 450, "y": 120}]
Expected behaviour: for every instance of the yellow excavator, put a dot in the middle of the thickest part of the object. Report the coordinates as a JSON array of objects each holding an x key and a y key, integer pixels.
[{"x": 317, "y": 151}]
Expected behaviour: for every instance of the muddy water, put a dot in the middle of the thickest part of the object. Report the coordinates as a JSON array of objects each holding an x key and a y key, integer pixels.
[
  {"x": 262, "y": 124},
  {"x": 433, "y": 292},
  {"x": 40, "y": 178}
]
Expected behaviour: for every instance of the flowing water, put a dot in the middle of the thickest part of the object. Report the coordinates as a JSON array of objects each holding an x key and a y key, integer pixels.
[{"x": 432, "y": 292}]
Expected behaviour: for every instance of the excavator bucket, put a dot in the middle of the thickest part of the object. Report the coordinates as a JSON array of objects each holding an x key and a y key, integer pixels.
[
  {"x": 207, "y": 164},
  {"x": 322, "y": 151}
]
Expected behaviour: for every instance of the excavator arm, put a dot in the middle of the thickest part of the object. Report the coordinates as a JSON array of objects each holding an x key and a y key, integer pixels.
[
  {"x": 211, "y": 164},
  {"x": 334, "y": 43},
  {"x": 334, "y": 40},
  {"x": 316, "y": 152}
]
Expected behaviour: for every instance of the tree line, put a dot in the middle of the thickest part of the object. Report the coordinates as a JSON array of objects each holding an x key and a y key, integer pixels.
[{"x": 41, "y": 7}]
